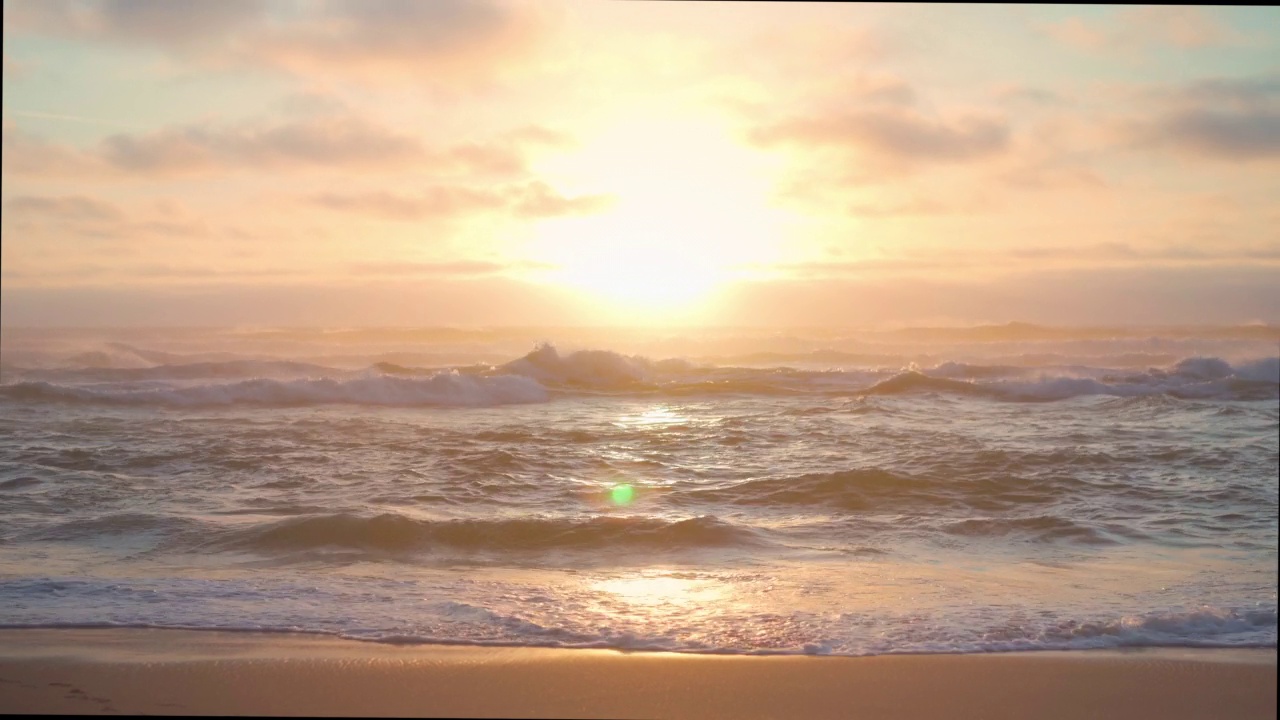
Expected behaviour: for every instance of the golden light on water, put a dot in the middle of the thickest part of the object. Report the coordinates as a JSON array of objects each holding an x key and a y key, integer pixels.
[
  {"x": 656, "y": 416},
  {"x": 622, "y": 491},
  {"x": 661, "y": 589}
]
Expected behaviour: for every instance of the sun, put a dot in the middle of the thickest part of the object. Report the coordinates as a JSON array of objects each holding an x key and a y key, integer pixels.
[
  {"x": 639, "y": 275},
  {"x": 691, "y": 207}
]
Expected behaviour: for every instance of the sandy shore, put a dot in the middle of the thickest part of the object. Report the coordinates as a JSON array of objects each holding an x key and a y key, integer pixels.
[{"x": 179, "y": 672}]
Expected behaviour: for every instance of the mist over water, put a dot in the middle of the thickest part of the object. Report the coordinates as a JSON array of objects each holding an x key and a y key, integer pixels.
[{"x": 796, "y": 491}]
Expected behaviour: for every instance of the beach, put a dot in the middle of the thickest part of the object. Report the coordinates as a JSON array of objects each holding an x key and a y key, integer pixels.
[{"x": 136, "y": 671}]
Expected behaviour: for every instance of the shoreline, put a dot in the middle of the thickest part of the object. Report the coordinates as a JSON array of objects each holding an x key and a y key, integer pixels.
[{"x": 187, "y": 672}]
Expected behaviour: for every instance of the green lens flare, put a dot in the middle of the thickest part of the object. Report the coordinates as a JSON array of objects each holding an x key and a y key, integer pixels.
[{"x": 622, "y": 494}]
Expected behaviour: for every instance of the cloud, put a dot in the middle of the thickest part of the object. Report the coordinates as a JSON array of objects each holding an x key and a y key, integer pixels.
[
  {"x": 316, "y": 142},
  {"x": 1134, "y": 295},
  {"x": 348, "y": 142},
  {"x": 372, "y": 39},
  {"x": 913, "y": 207},
  {"x": 50, "y": 219},
  {"x": 819, "y": 52},
  {"x": 1130, "y": 29},
  {"x": 1030, "y": 95},
  {"x": 66, "y": 208},
  {"x": 1234, "y": 136},
  {"x": 359, "y": 302},
  {"x": 899, "y": 135},
  {"x": 530, "y": 200},
  {"x": 943, "y": 261},
  {"x": 342, "y": 142},
  {"x": 167, "y": 23},
  {"x": 539, "y": 200},
  {"x": 438, "y": 202},
  {"x": 88, "y": 274},
  {"x": 1233, "y": 119},
  {"x": 403, "y": 37},
  {"x": 1244, "y": 92},
  {"x": 1051, "y": 174},
  {"x": 537, "y": 135},
  {"x": 163, "y": 23},
  {"x": 452, "y": 269},
  {"x": 27, "y": 154}
]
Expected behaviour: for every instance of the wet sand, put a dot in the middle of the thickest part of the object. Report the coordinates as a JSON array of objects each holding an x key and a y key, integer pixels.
[{"x": 185, "y": 672}]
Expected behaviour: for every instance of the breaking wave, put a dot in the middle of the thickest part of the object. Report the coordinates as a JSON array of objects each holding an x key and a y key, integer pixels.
[
  {"x": 394, "y": 533},
  {"x": 1193, "y": 378},
  {"x": 534, "y": 377}
]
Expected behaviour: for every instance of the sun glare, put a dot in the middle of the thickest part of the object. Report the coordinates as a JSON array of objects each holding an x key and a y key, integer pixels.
[
  {"x": 660, "y": 588},
  {"x": 640, "y": 275},
  {"x": 691, "y": 206}
]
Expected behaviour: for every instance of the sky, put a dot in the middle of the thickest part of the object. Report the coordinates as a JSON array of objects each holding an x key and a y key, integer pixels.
[{"x": 393, "y": 162}]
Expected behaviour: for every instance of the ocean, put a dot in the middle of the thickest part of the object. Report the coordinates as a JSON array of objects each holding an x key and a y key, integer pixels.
[{"x": 727, "y": 490}]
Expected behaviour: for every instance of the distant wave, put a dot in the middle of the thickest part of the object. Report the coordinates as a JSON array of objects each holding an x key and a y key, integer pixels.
[
  {"x": 443, "y": 389},
  {"x": 191, "y": 371},
  {"x": 1193, "y": 378},
  {"x": 535, "y": 376},
  {"x": 591, "y": 368}
]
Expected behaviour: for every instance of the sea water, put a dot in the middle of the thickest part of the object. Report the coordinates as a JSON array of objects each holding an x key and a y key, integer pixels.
[{"x": 719, "y": 491}]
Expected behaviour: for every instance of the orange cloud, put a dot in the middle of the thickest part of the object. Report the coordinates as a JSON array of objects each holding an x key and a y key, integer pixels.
[
  {"x": 338, "y": 142},
  {"x": 530, "y": 200},
  {"x": 370, "y": 39},
  {"x": 1230, "y": 119},
  {"x": 902, "y": 135},
  {"x": 455, "y": 269},
  {"x": 403, "y": 39},
  {"x": 74, "y": 217},
  {"x": 71, "y": 208}
]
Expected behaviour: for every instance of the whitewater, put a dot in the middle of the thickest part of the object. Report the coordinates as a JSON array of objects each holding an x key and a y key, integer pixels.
[{"x": 817, "y": 491}]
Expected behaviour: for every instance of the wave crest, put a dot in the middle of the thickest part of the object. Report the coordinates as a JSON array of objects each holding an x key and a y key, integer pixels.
[{"x": 397, "y": 533}]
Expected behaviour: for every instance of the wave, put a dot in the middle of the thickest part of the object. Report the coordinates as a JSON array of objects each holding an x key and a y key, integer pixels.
[
  {"x": 602, "y": 370},
  {"x": 397, "y": 533},
  {"x": 1046, "y": 528},
  {"x": 1187, "y": 628},
  {"x": 1192, "y": 378},
  {"x": 475, "y": 624},
  {"x": 1004, "y": 483},
  {"x": 442, "y": 389},
  {"x": 848, "y": 490},
  {"x": 19, "y": 482},
  {"x": 190, "y": 371},
  {"x": 533, "y": 377},
  {"x": 121, "y": 524},
  {"x": 1264, "y": 370},
  {"x": 590, "y": 368}
]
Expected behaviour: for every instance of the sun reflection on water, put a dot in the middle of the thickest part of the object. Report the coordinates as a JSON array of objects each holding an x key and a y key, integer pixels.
[
  {"x": 650, "y": 590},
  {"x": 656, "y": 416}
]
